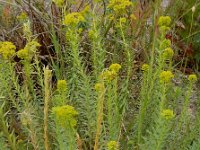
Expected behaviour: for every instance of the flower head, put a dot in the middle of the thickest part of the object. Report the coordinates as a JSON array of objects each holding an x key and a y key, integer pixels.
[
  {"x": 164, "y": 21},
  {"x": 113, "y": 145},
  {"x": 99, "y": 87},
  {"x": 166, "y": 76},
  {"x": 108, "y": 75},
  {"x": 73, "y": 19},
  {"x": 165, "y": 44},
  {"x": 62, "y": 85},
  {"x": 23, "y": 54},
  {"x": 145, "y": 67},
  {"x": 7, "y": 49},
  {"x": 28, "y": 51},
  {"x": 119, "y": 6},
  {"x": 168, "y": 53},
  {"x": 192, "y": 78},
  {"x": 32, "y": 46},
  {"x": 65, "y": 115},
  {"x": 115, "y": 67},
  {"x": 167, "y": 114},
  {"x": 164, "y": 29}
]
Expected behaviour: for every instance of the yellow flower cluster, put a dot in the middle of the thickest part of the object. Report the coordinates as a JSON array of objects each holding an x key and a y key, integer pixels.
[
  {"x": 119, "y": 6},
  {"x": 32, "y": 46},
  {"x": 7, "y": 49},
  {"x": 168, "y": 53},
  {"x": 164, "y": 29},
  {"x": 23, "y": 54},
  {"x": 99, "y": 87},
  {"x": 166, "y": 76},
  {"x": 167, "y": 114},
  {"x": 165, "y": 44},
  {"x": 73, "y": 19},
  {"x": 22, "y": 17},
  {"x": 163, "y": 23},
  {"x": 59, "y": 3},
  {"x": 61, "y": 85},
  {"x": 108, "y": 75},
  {"x": 115, "y": 67},
  {"x": 145, "y": 67},
  {"x": 192, "y": 78},
  {"x": 111, "y": 73},
  {"x": 28, "y": 51},
  {"x": 113, "y": 145},
  {"x": 65, "y": 115}
]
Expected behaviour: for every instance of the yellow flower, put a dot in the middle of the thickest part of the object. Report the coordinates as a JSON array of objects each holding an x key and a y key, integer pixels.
[
  {"x": 108, "y": 75},
  {"x": 113, "y": 145},
  {"x": 7, "y": 49},
  {"x": 115, "y": 67},
  {"x": 73, "y": 19},
  {"x": 168, "y": 53},
  {"x": 166, "y": 76},
  {"x": 164, "y": 21},
  {"x": 32, "y": 46},
  {"x": 23, "y": 54},
  {"x": 119, "y": 6},
  {"x": 65, "y": 115},
  {"x": 192, "y": 78},
  {"x": 167, "y": 114},
  {"x": 59, "y": 3},
  {"x": 164, "y": 29},
  {"x": 145, "y": 67},
  {"x": 164, "y": 44},
  {"x": 61, "y": 85},
  {"x": 99, "y": 87},
  {"x": 28, "y": 51}
]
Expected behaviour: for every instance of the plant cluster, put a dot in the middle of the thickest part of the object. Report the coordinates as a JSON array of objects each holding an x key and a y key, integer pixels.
[{"x": 87, "y": 92}]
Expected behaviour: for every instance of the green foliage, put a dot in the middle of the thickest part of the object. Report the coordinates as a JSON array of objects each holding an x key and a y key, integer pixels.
[{"x": 109, "y": 80}]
